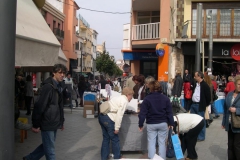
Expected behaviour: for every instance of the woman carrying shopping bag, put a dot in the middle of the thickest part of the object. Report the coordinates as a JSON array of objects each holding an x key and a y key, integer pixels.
[{"x": 158, "y": 118}]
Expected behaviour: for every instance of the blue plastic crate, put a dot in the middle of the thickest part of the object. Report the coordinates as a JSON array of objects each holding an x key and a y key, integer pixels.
[{"x": 89, "y": 97}]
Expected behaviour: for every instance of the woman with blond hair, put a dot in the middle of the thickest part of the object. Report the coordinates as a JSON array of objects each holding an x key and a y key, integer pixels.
[
  {"x": 111, "y": 122},
  {"x": 230, "y": 85},
  {"x": 229, "y": 109},
  {"x": 158, "y": 118}
]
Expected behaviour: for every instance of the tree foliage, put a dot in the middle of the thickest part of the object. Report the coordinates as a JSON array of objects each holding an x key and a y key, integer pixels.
[{"x": 104, "y": 64}]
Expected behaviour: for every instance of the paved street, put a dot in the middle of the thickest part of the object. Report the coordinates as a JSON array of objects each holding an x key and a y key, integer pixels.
[{"x": 81, "y": 140}]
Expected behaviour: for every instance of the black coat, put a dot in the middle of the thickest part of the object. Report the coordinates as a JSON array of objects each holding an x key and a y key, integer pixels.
[
  {"x": 178, "y": 85},
  {"x": 48, "y": 110},
  {"x": 205, "y": 96},
  {"x": 187, "y": 78}
]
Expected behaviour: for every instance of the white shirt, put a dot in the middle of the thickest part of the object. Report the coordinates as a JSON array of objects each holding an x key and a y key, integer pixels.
[
  {"x": 118, "y": 104},
  {"x": 196, "y": 94},
  {"x": 139, "y": 93},
  {"x": 187, "y": 121}
]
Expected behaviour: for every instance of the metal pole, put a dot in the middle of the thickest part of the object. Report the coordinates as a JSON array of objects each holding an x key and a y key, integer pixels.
[
  {"x": 203, "y": 56},
  {"x": 210, "y": 41},
  {"x": 81, "y": 56},
  {"x": 7, "y": 68},
  {"x": 198, "y": 37}
]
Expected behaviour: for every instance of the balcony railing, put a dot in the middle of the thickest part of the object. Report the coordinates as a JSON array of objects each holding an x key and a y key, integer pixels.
[
  {"x": 58, "y": 33},
  {"x": 145, "y": 31}
]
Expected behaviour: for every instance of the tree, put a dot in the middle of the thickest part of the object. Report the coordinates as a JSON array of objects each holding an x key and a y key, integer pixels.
[{"x": 105, "y": 64}]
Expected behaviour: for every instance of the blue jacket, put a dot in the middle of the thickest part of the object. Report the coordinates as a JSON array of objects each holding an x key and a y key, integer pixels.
[
  {"x": 227, "y": 105},
  {"x": 156, "y": 108}
]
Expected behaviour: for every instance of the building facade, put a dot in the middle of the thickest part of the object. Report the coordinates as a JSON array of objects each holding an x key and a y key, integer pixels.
[
  {"x": 149, "y": 26},
  {"x": 224, "y": 16},
  {"x": 70, "y": 38}
]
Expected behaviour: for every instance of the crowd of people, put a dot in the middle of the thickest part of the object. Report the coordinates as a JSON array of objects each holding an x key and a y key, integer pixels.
[{"x": 155, "y": 110}]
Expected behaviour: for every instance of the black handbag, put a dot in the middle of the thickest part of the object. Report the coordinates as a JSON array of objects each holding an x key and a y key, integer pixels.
[
  {"x": 170, "y": 150},
  {"x": 215, "y": 97}
]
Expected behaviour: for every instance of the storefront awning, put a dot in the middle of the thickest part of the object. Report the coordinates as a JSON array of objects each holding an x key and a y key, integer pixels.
[{"x": 36, "y": 45}]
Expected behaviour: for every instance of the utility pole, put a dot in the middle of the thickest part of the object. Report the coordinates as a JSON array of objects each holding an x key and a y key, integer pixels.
[
  {"x": 81, "y": 56},
  {"x": 7, "y": 65},
  {"x": 198, "y": 37},
  {"x": 210, "y": 40}
]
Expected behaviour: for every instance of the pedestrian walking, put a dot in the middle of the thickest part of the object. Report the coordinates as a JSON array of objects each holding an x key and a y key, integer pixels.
[
  {"x": 81, "y": 88},
  {"x": 229, "y": 109},
  {"x": 75, "y": 94},
  {"x": 48, "y": 114},
  {"x": 111, "y": 122},
  {"x": 69, "y": 84},
  {"x": 158, "y": 118},
  {"x": 201, "y": 99},
  {"x": 28, "y": 90},
  {"x": 178, "y": 85}
]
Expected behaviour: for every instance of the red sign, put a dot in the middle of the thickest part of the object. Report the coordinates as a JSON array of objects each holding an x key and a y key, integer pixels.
[
  {"x": 235, "y": 52},
  {"x": 34, "y": 79}
]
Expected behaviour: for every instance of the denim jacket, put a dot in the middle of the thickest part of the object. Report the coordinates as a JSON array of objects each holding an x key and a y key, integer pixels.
[{"x": 227, "y": 105}]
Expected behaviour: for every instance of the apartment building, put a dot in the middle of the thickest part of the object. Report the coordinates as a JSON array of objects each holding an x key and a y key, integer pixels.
[
  {"x": 70, "y": 38},
  {"x": 225, "y": 19},
  {"x": 149, "y": 26}
]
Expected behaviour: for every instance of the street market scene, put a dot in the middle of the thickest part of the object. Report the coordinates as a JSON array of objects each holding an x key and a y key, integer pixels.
[{"x": 129, "y": 79}]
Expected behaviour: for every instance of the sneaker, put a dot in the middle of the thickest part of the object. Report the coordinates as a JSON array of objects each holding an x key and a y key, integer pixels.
[
  {"x": 74, "y": 107},
  {"x": 216, "y": 116}
]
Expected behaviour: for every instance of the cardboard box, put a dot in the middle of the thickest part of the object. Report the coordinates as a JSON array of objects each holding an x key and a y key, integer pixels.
[
  {"x": 88, "y": 103},
  {"x": 88, "y": 110}
]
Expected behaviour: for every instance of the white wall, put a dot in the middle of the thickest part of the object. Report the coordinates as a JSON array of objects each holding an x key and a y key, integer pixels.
[
  {"x": 57, "y": 4},
  {"x": 126, "y": 36}
]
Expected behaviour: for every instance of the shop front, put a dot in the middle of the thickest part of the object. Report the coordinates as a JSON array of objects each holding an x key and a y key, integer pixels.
[
  {"x": 225, "y": 57},
  {"x": 148, "y": 63}
]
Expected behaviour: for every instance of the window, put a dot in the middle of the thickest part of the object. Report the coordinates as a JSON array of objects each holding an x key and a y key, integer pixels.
[
  {"x": 148, "y": 17},
  {"x": 236, "y": 24},
  {"x": 54, "y": 24},
  {"x": 225, "y": 19}
]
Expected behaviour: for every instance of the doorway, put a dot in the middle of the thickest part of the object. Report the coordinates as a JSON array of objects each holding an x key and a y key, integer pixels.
[{"x": 149, "y": 68}]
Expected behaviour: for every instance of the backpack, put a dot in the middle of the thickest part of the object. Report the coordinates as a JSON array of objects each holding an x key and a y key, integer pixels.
[
  {"x": 188, "y": 94},
  {"x": 116, "y": 88}
]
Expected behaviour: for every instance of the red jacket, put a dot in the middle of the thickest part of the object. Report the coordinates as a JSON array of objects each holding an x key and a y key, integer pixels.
[
  {"x": 214, "y": 83},
  {"x": 230, "y": 87}
]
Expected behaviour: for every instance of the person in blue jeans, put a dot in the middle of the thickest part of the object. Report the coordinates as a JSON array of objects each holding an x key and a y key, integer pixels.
[
  {"x": 48, "y": 114},
  {"x": 201, "y": 99},
  {"x": 157, "y": 110},
  {"x": 111, "y": 122}
]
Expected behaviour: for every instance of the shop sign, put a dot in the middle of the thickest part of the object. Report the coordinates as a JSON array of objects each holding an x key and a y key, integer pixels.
[
  {"x": 235, "y": 52},
  {"x": 140, "y": 56}
]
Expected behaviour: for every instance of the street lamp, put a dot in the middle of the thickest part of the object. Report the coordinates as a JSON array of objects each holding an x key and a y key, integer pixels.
[{"x": 210, "y": 39}]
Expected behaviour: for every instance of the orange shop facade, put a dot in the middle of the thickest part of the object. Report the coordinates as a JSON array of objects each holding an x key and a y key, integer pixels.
[{"x": 148, "y": 63}]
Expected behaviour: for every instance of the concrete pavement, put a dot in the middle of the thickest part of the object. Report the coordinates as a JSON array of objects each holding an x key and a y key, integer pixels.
[{"x": 81, "y": 140}]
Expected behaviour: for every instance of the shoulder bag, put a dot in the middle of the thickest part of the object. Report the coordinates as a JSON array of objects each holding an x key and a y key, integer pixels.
[{"x": 235, "y": 118}]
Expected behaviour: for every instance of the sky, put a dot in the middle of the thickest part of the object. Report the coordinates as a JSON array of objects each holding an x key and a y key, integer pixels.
[{"x": 108, "y": 26}]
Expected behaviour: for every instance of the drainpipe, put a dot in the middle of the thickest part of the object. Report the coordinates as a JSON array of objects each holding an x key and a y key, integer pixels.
[
  {"x": 198, "y": 36},
  {"x": 7, "y": 68},
  {"x": 203, "y": 56}
]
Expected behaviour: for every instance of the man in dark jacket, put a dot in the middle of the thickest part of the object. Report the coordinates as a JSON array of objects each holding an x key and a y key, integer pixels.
[
  {"x": 201, "y": 99},
  {"x": 48, "y": 114},
  {"x": 187, "y": 77},
  {"x": 178, "y": 85}
]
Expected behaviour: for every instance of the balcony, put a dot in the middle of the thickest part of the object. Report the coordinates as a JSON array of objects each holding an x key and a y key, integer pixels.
[
  {"x": 145, "y": 31},
  {"x": 58, "y": 33}
]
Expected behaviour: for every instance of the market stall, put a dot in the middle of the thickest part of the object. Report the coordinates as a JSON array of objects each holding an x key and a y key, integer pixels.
[{"x": 131, "y": 139}]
